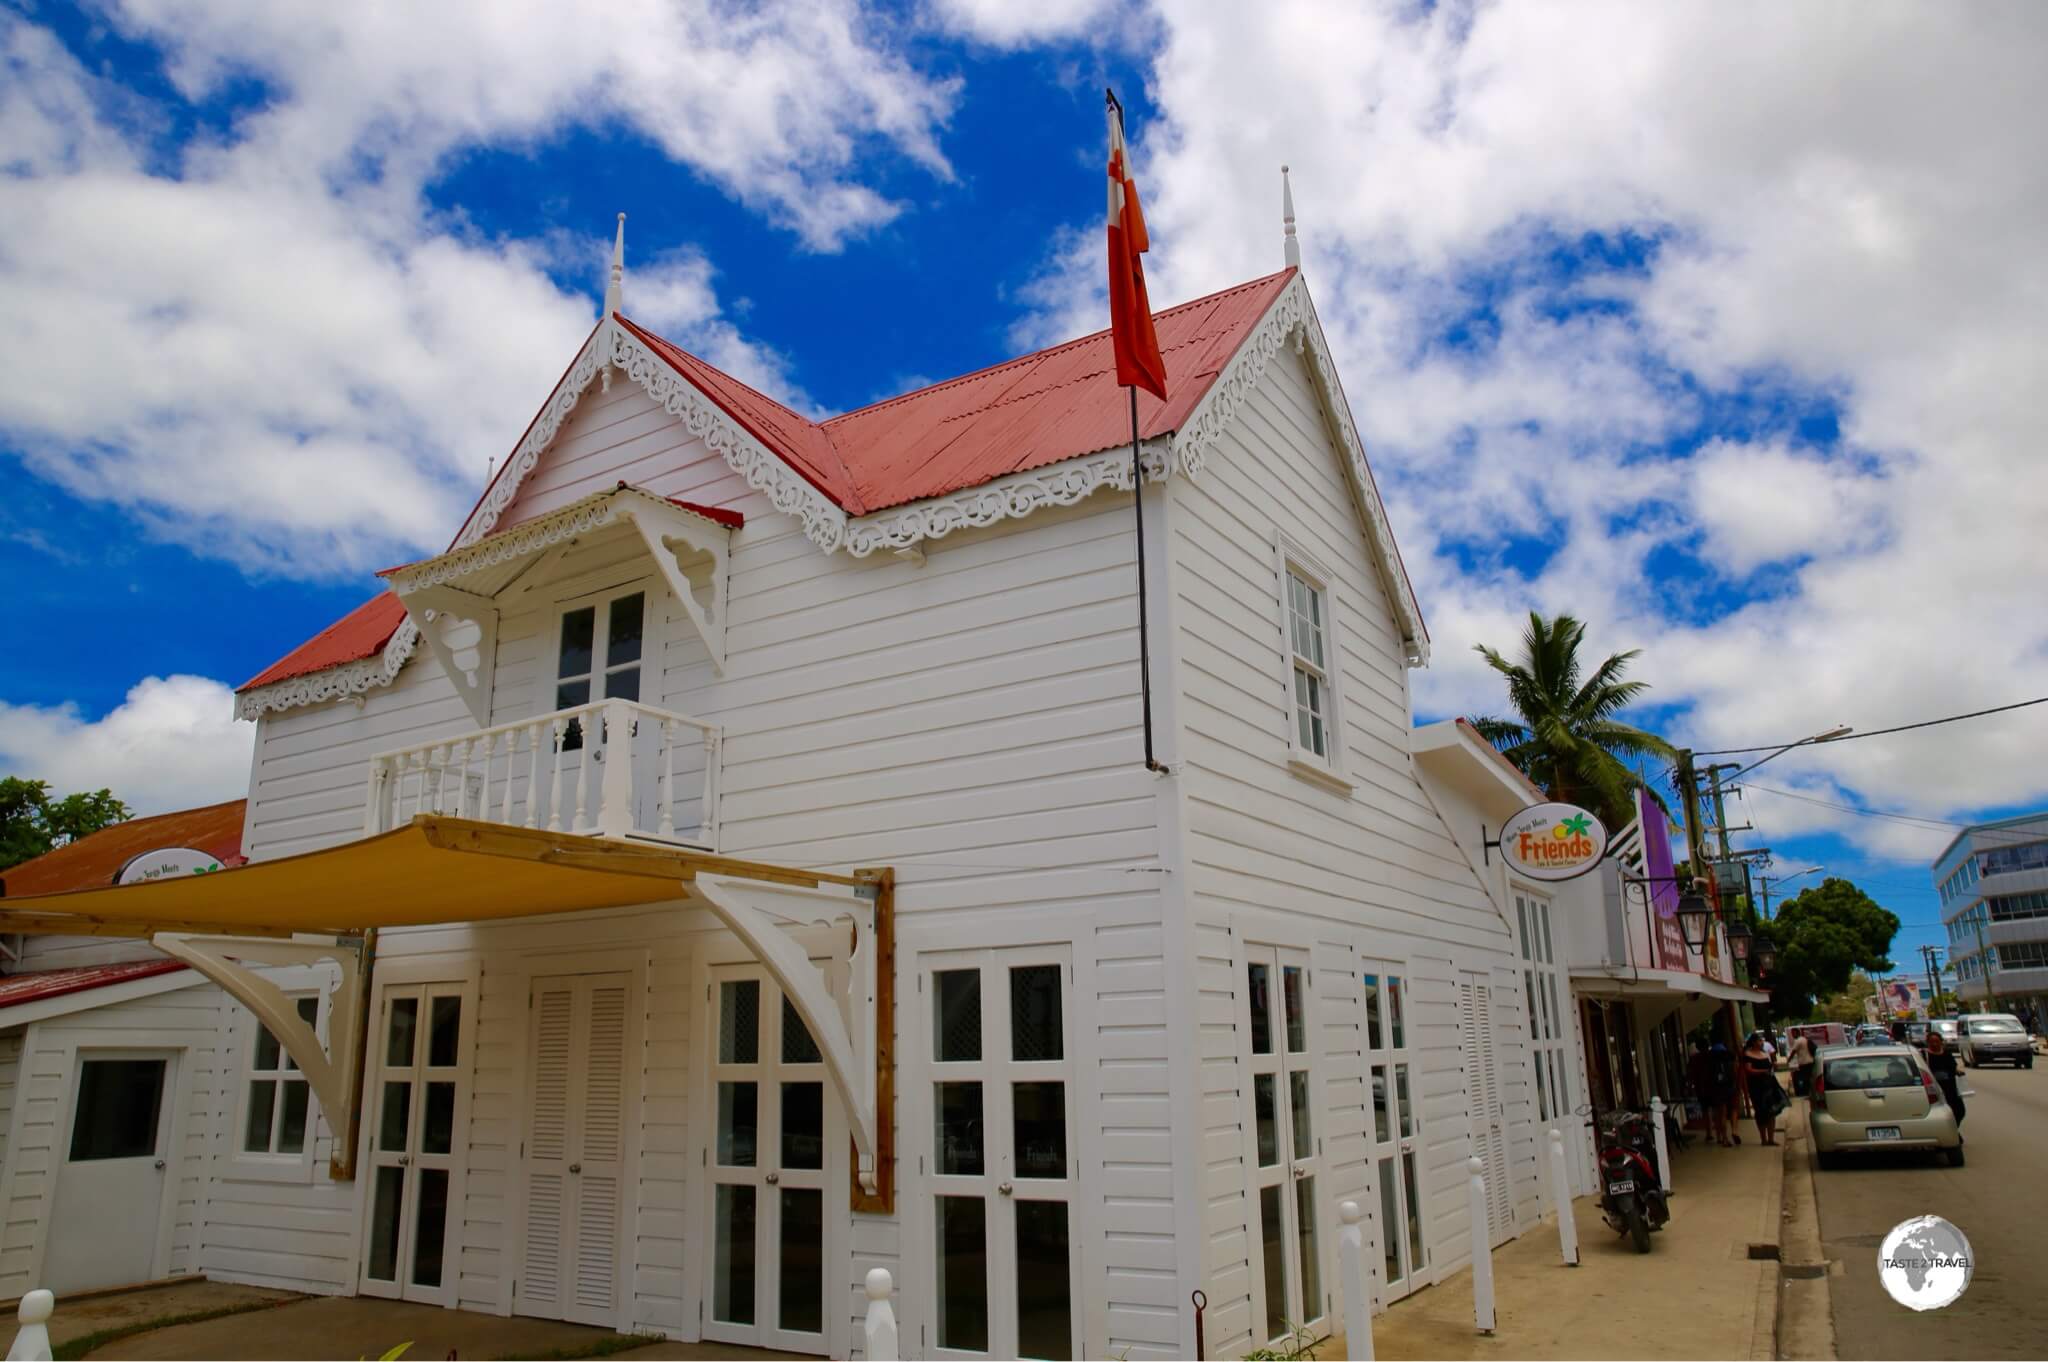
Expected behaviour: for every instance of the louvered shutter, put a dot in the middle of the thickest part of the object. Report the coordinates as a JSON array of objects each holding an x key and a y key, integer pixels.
[
  {"x": 598, "y": 1188},
  {"x": 547, "y": 1148}
]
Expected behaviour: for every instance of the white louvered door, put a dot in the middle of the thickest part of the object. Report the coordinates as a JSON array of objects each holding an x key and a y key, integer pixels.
[
  {"x": 575, "y": 1152},
  {"x": 1488, "y": 1113}
]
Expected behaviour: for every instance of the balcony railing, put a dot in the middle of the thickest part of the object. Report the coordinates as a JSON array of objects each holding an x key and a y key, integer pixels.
[{"x": 616, "y": 768}]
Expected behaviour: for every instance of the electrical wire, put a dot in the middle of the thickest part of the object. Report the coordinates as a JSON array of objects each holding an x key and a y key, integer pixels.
[
  {"x": 1910, "y": 820},
  {"x": 1873, "y": 733}
]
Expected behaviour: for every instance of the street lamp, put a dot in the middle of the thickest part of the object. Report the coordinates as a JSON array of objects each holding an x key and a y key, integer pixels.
[
  {"x": 1693, "y": 916},
  {"x": 1738, "y": 939},
  {"x": 1766, "y": 958},
  {"x": 1766, "y": 881},
  {"x": 1838, "y": 731}
]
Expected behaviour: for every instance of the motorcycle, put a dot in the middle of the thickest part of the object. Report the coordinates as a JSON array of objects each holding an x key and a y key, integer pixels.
[{"x": 1632, "y": 1198}]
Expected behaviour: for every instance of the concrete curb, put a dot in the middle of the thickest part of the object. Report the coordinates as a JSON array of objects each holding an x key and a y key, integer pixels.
[{"x": 1803, "y": 1318}]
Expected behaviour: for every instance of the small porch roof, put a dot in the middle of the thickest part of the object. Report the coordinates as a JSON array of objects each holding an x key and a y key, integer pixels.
[{"x": 1625, "y": 982}]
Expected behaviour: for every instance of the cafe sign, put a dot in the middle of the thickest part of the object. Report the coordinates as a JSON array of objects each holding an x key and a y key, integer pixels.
[
  {"x": 1553, "y": 842},
  {"x": 165, "y": 864}
]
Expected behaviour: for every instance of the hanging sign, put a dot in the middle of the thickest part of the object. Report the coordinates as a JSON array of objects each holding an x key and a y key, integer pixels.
[
  {"x": 165, "y": 864},
  {"x": 1553, "y": 842}
]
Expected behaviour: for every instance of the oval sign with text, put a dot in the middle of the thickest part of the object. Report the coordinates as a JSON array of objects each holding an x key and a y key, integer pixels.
[
  {"x": 165, "y": 864},
  {"x": 1553, "y": 842}
]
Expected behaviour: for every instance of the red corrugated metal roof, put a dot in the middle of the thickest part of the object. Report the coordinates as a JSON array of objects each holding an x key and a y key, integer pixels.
[
  {"x": 361, "y": 633},
  {"x": 16, "y": 989},
  {"x": 95, "y": 860}
]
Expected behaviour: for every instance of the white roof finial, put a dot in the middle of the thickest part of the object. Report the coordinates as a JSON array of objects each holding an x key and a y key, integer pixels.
[
  {"x": 614, "y": 290},
  {"x": 1287, "y": 220}
]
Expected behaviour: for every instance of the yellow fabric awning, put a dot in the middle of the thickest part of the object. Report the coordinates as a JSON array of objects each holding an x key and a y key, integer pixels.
[{"x": 435, "y": 869}]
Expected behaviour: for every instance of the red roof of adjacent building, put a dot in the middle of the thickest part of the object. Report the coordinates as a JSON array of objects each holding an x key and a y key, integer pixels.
[
  {"x": 1039, "y": 409},
  {"x": 36, "y": 985},
  {"x": 96, "y": 860}
]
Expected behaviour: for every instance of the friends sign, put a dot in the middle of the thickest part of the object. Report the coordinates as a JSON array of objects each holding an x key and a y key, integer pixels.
[{"x": 1553, "y": 842}]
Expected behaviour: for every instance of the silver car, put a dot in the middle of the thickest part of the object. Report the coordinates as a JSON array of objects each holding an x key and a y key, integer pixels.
[
  {"x": 1996, "y": 1038},
  {"x": 1879, "y": 1097}
]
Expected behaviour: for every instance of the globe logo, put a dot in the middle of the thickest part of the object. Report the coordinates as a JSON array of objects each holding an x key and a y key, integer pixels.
[{"x": 1925, "y": 1263}]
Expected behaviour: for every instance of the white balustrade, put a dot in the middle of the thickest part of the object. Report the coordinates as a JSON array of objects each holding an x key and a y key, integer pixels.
[
  {"x": 879, "y": 1329},
  {"x": 1561, "y": 1193},
  {"x": 1482, "y": 1247},
  {"x": 1663, "y": 1154},
  {"x": 613, "y": 768},
  {"x": 32, "y": 1339},
  {"x": 1357, "y": 1283}
]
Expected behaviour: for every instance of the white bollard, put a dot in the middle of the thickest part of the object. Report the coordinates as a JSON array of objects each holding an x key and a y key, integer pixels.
[
  {"x": 1561, "y": 1192},
  {"x": 881, "y": 1321},
  {"x": 32, "y": 1340},
  {"x": 1663, "y": 1153},
  {"x": 1357, "y": 1284},
  {"x": 1482, "y": 1248}
]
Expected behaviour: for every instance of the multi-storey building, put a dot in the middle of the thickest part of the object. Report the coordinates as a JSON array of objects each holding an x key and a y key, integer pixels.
[{"x": 1993, "y": 884}]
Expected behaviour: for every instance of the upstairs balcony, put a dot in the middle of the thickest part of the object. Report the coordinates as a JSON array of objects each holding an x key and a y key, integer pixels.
[{"x": 612, "y": 768}]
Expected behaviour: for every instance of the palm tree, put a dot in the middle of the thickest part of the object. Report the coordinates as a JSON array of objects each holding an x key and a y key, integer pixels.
[{"x": 1565, "y": 738}]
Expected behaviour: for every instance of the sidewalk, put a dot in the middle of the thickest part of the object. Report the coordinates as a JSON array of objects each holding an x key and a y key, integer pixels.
[{"x": 1696, "y": 1294}]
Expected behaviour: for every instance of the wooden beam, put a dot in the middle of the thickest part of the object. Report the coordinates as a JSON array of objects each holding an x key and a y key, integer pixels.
[
  {"x": 57, "y": 924},
  {"x": 621, "y": 858},
  {"x": 883, "y": 1202}
]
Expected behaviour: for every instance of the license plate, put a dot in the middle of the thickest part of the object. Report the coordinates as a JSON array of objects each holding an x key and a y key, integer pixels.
[
  {"x": 1881, "y": 1133},
  {"x": 1629, "y": 1186}
]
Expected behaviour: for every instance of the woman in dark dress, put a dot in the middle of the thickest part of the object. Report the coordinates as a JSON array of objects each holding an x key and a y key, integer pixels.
[
  {"x": 1942, "y": 1061},
  {"x": 1765, "y": 1096}
]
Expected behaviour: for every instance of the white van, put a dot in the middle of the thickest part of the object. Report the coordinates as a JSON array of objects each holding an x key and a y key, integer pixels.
[{"x": 1996, "y": 1038}]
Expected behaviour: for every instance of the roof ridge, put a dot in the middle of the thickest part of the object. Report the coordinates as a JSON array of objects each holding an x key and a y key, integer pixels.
[{"x": 1044, "y": 351}]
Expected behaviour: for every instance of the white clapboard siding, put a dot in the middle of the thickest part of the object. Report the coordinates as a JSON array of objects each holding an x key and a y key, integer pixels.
[
  {"x": 73, "y": 952},
  {"x": 10, "y": 1073}
]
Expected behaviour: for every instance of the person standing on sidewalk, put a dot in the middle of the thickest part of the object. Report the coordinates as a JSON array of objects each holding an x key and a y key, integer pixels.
[
  {"x": 1719, "y": 1093},
  {"x": 1942, "y": 1061},
  {"x": 1765, "y": 1096},
  {"x": 1802, "y": 1065}
]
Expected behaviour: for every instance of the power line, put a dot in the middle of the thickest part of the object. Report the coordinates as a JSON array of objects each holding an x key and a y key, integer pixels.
[
  {"x": 1873, "y": 733},
  {"x": 1910, "y": 820}
]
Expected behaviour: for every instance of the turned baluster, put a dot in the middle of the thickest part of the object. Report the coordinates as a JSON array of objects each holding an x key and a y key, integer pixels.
[
  {"x": 561, "y": 727},
  {"x": 533, "y": 744},
  {"x": 668, "y": 778},
  {"x": 511, "y": 760},
  {"x": 586, "y": 721}
]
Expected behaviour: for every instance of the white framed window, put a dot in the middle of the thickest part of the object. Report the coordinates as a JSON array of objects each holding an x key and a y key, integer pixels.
[
  {"x": 600, "y": 645},
  {"x": 274, "y": 1130},
  {"x": 1315, "y": 742},
  {"x": 1394, "y": 1129},
  {"x": 1545, "y": 997}
]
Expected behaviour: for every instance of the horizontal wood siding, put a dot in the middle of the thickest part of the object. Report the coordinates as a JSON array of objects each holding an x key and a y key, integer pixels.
[{"x": 10, "y": 1073}]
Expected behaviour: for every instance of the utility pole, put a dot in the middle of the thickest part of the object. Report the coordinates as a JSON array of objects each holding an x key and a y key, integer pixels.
[
  {"x": 1928, "y": 956},
  {"x": 1689, "y": 808},
  {"x": 1984, "y": 963}
]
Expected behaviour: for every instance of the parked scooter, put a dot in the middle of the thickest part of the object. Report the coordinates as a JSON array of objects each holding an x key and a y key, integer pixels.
[{"x": 1631, "y": 1191}]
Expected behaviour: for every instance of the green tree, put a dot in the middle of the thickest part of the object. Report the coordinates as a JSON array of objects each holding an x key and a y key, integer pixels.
[
  {"x": 1564, "y": 735},
  {"x": 1847, "y": 1006},
  {"x": 31, "y": 822},
  {"x": 1830, "y": 938}
]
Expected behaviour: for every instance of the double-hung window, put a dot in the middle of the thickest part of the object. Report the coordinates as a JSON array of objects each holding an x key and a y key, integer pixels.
[
  {"x": 1314, "y": 735},
  {"x": 598, "y": 655},
  {"x": 277, "y": 1117}
]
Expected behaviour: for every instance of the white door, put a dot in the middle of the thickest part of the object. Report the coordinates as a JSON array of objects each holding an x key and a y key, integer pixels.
[
  {"x": 1395, "y": 1131},
  {"x": 1283, "y": 1118},
  {"x": 1001, "y": 1171},
  {"x": 574, "y": 1155},
  {"x": 416, "y": 1109},
  {"x": 599, "y": 646},
  {"x": 106, "y": 1223},
  {"x": 776, "y": 1165},
  {"x": 1484, "y": 1103}
]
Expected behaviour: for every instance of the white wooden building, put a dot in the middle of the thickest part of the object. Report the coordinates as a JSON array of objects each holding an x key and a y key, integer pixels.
[{"x": 746, "y": 829}]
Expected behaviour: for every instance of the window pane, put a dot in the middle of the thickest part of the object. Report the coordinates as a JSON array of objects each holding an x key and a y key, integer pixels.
[
  {"x": 291, "y": 1126},
  {"x": 802, "y": 1303},
  {"x": 431, "y": 1234},
  {"x": 262, "y": 1107},
  {"x": 739, "y": 1021},
  {"x": 1397, "y": 1034},
  {"x": 1372, "y": 1011},
  {"x": 963, "y": 1273},
  {"x": 738, "y": 1123},
  {"x": 445, "y": 1029},
  {"x": 624, "y": 629},
  {"x": 1543, "y": 911},
  {"x": 1035, "y": 1024},
  {"x": 1298, "y": 1108},
  {"x": 1258, "y": 995},
  {"x": 577, "y": 628},
  {"x": 1401, "y": 1097},
  {"x": 400, "y": 1038},
  {"x": 438, "y": 1133},
  {"x": 956, "y": 1019},
  {"x": 623, "y": 684},
  {"x": 384, "y": 1224},
  {"x": 1296, "y": 1009},
  {"x": 1305, "y": 1241},
  {"x": 1529, "y": 994},
  {"x": 1390, "y": 1221},
  {"x": 1045, "y": 1297},
  {"x": 1542, "y": 1088},
  {"x": 395, "y": 1116},
  {"x": 1273, "y": 1237},
  {"x": 957, "y": 1139},
  {"x": 1039, "y": 1115},
  {"x": 267, "y": 1050},
  {"x": 1265, "y": 1120},
  {"x": 1382, "y": 1125},
  {"x": 797, "y": 1045},
  {"x": 1522, "y": 920},
  {"x": 569, "y": 695},
  {"x": 732, "y": 1270},
  {"x": 803, "y": 1125},
  {"x": 1414, "y": 1207}
]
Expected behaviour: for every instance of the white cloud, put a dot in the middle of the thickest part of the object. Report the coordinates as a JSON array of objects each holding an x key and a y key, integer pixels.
[
  {"x": 1009, "y": 23},
  {"x": 173, "y": 743},
  {"x": 1814, "y": 227},
  {"x": 271, "y": 349}
]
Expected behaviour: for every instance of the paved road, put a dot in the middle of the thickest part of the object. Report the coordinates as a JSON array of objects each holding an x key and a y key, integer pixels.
[{"x": 1999, "y": 1200}]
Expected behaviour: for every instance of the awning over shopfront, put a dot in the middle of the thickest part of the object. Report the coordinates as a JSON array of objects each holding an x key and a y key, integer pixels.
[
  {"x": 1661, "y": 983},
  {"x": 444, "y": 870}
]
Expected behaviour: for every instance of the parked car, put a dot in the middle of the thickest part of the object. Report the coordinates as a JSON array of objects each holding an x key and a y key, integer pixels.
[
  {"x": 1873, "y": 1035},
  {"x": 1880, "y": 1097},
  {"x": 1996, "y": 1038},
  {"x": 1819, "y": 1034},
  {"x": 1916, "y": 1035}
]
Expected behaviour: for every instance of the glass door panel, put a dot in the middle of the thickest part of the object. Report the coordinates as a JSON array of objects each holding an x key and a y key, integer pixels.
[
  {"x": 422, "y": 1041},
  {"x": 1394, "y": 1130},
  {"x": 1280, "y": 1021}
]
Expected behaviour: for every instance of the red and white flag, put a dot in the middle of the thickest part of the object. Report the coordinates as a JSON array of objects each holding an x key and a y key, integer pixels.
[{"x": 1138, "y": 361}]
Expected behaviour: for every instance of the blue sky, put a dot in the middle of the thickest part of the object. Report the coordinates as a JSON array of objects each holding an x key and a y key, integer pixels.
[{"x": 1745, "y": 384}]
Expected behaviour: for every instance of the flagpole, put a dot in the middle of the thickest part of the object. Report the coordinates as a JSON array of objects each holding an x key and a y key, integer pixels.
[{"x": 1144, "y": 644}]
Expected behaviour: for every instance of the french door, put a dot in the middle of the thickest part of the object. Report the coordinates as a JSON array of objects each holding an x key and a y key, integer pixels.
[
  {"x": 580, "y": 1089},
  {"x": 777, "y": 1169},
  {"x": 1283, "y": 1121},
  {"x": 421, "y": 1040},
  {"x": 1002, "y": 1172},
  {"x": 1395, "y": 1130}
]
